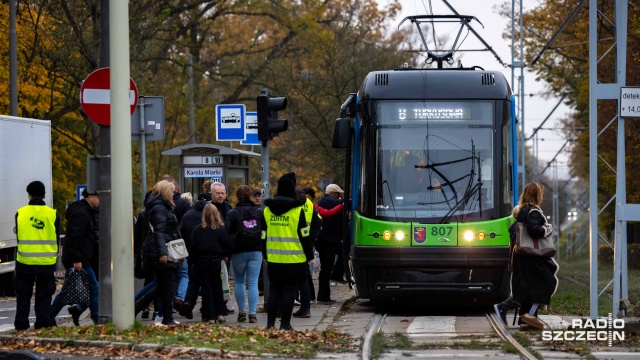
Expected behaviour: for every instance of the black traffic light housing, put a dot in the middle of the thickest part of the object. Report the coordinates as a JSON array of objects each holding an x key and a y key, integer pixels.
[{"x": 268, "y": 123}]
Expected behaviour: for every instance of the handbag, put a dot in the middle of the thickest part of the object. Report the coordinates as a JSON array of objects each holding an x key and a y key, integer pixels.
[
  {"x": 526, "y": 245},
  {"x": 75, "y": 289},
  {"x": 176, "y": 250},
  {"x": 224, "y": 276}
]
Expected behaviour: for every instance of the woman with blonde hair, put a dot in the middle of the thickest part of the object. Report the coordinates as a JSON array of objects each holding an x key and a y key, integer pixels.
[
  {"x": 533, "y": 279},
  {"x": 208, "y": 244},
  {"x": 162, "y": 228}
]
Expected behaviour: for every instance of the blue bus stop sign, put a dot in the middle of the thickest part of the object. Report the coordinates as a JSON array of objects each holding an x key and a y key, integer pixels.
[
  {"x": 79, "y": 189},
  {"x": 230, "y": 120},
  {"x": 251, "y": 129}
]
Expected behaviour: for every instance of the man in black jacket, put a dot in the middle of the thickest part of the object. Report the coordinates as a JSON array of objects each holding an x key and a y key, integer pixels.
[
  {"x": 219, "y": 199},
  {"x": 190, "y": 220},
  {"x": 329, "y": 242},
  {"x": 79, "y": 243}
]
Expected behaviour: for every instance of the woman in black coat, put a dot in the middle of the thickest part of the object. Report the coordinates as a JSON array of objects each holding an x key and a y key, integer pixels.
[
  {"x": 208, "y": 244},
  {"x": 163, "y": 227},
  {"x": 533, "y": 280}
]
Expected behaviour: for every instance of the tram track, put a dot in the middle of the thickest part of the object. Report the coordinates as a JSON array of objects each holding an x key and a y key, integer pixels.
[
  {"x": 505, "y": 335},
  {"x": 377, "y": 321}
]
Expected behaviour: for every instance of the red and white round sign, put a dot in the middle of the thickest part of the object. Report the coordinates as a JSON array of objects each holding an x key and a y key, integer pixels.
[{"x": 95, "y": 96}]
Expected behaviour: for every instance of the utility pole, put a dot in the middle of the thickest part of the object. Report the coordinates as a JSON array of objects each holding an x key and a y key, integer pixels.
[
  {"x": 121, "y": 211},
  {"x": 104, "y": 186},
  {"x": 13, "y": 59}
]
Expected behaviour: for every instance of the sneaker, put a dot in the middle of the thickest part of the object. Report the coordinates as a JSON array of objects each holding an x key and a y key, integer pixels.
[
  {"x": 75, "y": 312},
  {"x": 231, "y": 311},
  {"x": 158, "y": 319},
  {"x": 242, "y": 316},
  {"x": 533, "y": 321},
  {"x": 301, "y": 314},
  {"x": 286, "y": 327},
  {"x": 253, "y": 319},
  {"x": 500, "y": 312},
  {"x": 171, "y": 322},
  {"x": 220, "y": 319},
  {"x": 296, "y": 303}
]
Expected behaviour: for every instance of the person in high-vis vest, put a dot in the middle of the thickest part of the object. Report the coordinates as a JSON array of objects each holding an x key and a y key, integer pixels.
[
  {"x": 38, "y": 234},
  {"x": 314, "y": 221},
  {"x": 287, "y": 248}
]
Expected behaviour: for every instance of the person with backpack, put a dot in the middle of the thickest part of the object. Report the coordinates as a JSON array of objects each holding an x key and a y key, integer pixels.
[{"x": 243, "y": 223}]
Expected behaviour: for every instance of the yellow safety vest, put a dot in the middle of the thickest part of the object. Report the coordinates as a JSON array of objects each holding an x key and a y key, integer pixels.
[
  {"x": 37, "y": 243},
  {"x": 308, "y": 211},
  {"x": 283, "y": 244}
]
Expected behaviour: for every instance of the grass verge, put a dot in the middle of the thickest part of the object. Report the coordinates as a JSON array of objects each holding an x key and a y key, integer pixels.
[{"x": 296, "y": 344}]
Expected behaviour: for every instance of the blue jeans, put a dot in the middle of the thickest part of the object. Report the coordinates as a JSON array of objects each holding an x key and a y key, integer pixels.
[
  {"x": 246, "y": 264},
  {"x": 183, "y": 280},
  {"x": 145, "y": 289},
  {"x": 57, "y": 304}
]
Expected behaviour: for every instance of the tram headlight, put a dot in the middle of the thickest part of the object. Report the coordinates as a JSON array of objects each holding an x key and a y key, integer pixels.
[
  {"x": 386, "y": 235},
  {"x": 399, "y": 235},
  {"x": 468, "y": 235}
]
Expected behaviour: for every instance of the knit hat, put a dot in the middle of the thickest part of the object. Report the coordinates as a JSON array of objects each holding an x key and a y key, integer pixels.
[
  {"x": 36, "y": 189},
  {"x": 287, "y": 185}
]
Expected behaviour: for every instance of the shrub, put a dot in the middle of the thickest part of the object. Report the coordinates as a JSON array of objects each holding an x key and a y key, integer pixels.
[{"x": 605, "y": 254}]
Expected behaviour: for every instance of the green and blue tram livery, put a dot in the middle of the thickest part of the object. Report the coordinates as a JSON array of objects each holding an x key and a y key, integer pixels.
[{"x": 431, "y": 182}]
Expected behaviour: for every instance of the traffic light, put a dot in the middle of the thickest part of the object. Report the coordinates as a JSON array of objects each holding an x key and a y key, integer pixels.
[{"x": 268, "y": 123}]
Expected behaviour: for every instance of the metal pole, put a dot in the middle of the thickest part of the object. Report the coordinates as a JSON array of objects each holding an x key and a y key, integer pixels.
[
  {"x": 104, "y": 186},
  {"x": 121, "y": 211},
  {"x": 192, "y": 123},
  {"x": 13, "y": 59},
  {"x": 143, "y": 147},
  {"x": 264, "y": 160}
]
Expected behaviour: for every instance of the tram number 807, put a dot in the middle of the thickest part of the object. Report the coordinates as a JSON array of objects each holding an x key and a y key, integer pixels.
[{"x": 441, "y": 231}]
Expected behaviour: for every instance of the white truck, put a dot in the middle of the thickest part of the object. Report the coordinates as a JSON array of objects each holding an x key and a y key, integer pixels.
[{"x": 25, "y": 156}]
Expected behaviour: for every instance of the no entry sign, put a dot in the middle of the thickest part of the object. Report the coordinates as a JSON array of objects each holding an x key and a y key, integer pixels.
[{"x": 95, "y": 96}]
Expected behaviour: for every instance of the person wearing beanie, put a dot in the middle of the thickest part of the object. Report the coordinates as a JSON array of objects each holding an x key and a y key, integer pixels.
[
  {"x": 78, "y": 251},
  {"x": 38, "y": 235},
  {"x": 329, "y": 244},
  {"x": 287, "y": 261}
]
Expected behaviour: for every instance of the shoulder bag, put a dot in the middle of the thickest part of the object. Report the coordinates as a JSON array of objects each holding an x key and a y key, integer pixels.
[
  {"x": 526, "y": 245},
  {"x": 176, "y": 249}
]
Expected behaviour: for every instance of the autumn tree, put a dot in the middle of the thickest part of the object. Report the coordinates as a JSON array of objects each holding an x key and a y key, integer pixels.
[{"x": 564, "y": 66}]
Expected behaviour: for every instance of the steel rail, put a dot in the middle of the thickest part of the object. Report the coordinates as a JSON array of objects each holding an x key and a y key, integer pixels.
[
  {"x": 505, "y": 335},
  {"x": 374, "y": 327}
]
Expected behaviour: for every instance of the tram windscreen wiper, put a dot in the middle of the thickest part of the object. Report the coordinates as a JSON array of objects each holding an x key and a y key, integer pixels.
[{"x": 465, "y": 198}]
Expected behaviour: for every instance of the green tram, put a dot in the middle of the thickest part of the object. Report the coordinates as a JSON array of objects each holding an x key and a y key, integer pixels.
[{"x": 431, "y": 180}]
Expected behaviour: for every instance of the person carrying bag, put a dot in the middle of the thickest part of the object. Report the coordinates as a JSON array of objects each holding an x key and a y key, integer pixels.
[{"x": 533, "y": 279}]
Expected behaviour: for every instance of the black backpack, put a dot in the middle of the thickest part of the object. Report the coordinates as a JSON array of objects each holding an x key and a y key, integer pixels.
[{"x": 249, "y": 228}]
